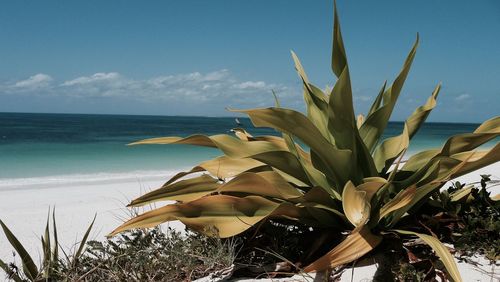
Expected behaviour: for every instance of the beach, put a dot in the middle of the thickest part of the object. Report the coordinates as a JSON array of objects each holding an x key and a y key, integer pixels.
[
  {"x": 80, "y": 165},
  {"x": 25, "y": 210}
]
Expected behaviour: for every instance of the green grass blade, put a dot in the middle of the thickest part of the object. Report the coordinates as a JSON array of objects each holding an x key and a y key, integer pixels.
[
  {"x": 84, "y": 241},
  {"x": 46, "y": 264},
  {"x": 29, "y": 266},
  {"x": 55, "y": 252}
]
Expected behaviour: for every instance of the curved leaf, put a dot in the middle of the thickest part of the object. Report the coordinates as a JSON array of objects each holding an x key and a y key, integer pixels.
[
  {"x": 266, "y": 184},
  {"x": 229, "y": 215},
  {"x": 391, "y": 148},
  {"x": 402, "y": 199},
  {"x": 375, "y": 124},
  {"x": 487, "y": 131},
  {"x": 356, "y": 205},
  {"x": 336, "y": 161},
  {"x": 441, "y": 251},
  {"x": 339, "y": 58},
  {"x": 184, "y": 190},
  {"x": 231, "y": 146},
  {"x": 378, "y": 101},
  {"x": 284, "y": 161},
  {"x": 29, "y": 266},
  {"x": 356, "y": 245}
]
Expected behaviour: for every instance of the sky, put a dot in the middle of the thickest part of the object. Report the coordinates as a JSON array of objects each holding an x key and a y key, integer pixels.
[{"x": 199, "y": 57}]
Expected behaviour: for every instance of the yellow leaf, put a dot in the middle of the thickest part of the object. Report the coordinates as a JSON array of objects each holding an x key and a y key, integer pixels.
[
  {"x": 356, "y": 205},
  {"x": 441, "y": 251},
  {"x": 356, "y": 245}
]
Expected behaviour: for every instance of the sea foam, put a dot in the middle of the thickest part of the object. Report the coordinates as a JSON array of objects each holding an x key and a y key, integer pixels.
[{"x": 84, "y": 179}]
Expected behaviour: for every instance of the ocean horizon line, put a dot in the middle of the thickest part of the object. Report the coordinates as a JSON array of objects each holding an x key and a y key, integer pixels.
[{"x": 196, "y": 116}]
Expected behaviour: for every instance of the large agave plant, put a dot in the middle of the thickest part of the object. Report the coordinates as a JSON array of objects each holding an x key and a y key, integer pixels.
[{"x": 348, "y": 176}]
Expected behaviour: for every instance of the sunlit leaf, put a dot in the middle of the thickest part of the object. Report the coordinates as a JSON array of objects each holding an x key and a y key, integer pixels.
[
  {"x": 228, "y": 214},
  {"x": 441, "y": 251},
  {"x": 184, "y": 190},
  {"x": 356, "y": 204},
  {"x": 375, "y": 124},
  {"x": 402, "y": 199},
  {"x": 336, "y": 161},
  {"x": 356, "y": 245}
]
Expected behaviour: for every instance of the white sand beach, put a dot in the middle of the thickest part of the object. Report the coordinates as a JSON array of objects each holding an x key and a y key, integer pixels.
[{"x": 25, "y": 211}]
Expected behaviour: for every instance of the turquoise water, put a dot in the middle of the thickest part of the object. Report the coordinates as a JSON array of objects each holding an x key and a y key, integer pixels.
[{"x": 42, "y": 147}]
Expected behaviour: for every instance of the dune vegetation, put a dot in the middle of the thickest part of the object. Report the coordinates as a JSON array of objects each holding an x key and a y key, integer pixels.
[
  {"x": 327, "y": 193},
  {"x": 349, "y": 182}
]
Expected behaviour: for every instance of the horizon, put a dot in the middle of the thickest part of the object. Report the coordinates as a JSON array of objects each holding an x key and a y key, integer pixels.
[
  {"x": 202, "y": 116},
  {"x": 195, "y": 59}
]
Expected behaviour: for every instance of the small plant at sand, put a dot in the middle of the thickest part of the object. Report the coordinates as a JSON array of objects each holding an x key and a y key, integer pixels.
[
  {"x": 349, "y": 181},
  {"x": 469, "y": 218},
  {"x": 154, "y": 255},
  {"x": 139, "y": 255},
  {"x": 53, "y": 266}
]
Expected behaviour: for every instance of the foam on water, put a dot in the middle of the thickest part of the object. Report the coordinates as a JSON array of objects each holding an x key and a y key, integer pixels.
[{"x": 83, "y": 179}]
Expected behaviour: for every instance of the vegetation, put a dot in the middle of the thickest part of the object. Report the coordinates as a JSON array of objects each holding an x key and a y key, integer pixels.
[
  {"x": 463, "y": 215},
  {"x": 138, "y": 255},
  {"x": 317, "y": 209},
  {"x": 349, "y": 184},
  {"x": 53, "y": 267}
]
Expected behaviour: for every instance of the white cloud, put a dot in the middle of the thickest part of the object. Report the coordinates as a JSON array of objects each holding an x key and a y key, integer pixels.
[
  {"x": 34, "y": 82},
  {"x": 97, "y": 77},
  {"x": 462, "y": 97},
  {"x": 250, "y": 84},
  {"x": 220, "y": 87}
]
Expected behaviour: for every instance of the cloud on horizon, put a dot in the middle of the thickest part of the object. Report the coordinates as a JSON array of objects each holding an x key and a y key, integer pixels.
[
  {"x": 192, "y": 93},
  {"x": 37, "y": 81},
  {"x": 219, "y": 86}
]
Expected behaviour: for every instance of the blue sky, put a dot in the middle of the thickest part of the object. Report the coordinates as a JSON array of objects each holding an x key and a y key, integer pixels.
[{"x": 198, "y": 57}]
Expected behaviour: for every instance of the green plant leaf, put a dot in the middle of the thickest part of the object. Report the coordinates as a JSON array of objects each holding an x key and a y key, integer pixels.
[
  {"x": 375, "y": 124},
  {"x": 185, "y": 190},
  {"x": 392, "y": 147},
  {"x": 441, "y": 251},
  {"x": 232, "y": 147},
  {"x": 221, "y": 167},
  {"x": 81, "y": 247},
  {"x": 378, "y": 101},
  {"x": 316, "y": 101},
  {"x": 402, "y": 199},
  {"x": 460, "y": 194},
  {"x": 265, "y": 184},
  {"x": 29, "y": 267},
  {"x": 230, "y": 215},
  {"x": 336, "y": 161},
  {"x": 487, "y": 131},
  {"x": 55, "y": 252},
  {"x": 286, "y": 162},
  {"x": 356, "y": 245},
  {"x": 356, "y": 205},
  {"x": 339, "y": 58}
]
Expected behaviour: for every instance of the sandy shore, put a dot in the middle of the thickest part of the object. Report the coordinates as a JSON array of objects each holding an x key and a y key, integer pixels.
[{"x": 25, "y": 210}]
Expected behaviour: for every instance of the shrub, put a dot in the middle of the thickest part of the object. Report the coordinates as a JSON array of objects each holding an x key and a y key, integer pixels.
[{"x": 350, "y": 180}]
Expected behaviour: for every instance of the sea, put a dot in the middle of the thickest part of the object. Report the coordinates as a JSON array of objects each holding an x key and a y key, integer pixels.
[{"x": 64, "y": 149}]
